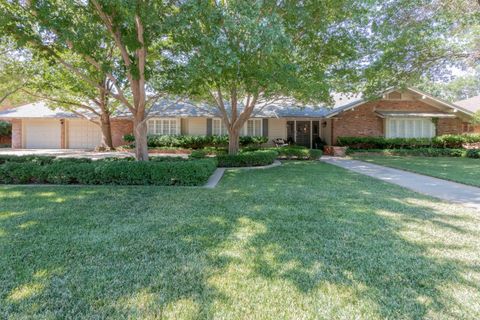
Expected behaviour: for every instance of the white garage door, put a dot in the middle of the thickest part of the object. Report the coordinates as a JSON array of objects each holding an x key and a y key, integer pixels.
[
  {"x": 83, "y": 134},
  {"x": 42, "y": 134}
]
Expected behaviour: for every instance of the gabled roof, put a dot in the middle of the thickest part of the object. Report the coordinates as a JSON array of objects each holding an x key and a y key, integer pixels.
[
  {"x": 472, "y": 104},
  {"x": 424, "y": 95}
]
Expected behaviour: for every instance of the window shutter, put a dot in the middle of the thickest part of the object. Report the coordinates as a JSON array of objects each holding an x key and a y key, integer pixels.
[
  {"x": 265, "y": 127},
  {"x": 209, "y": 127}
]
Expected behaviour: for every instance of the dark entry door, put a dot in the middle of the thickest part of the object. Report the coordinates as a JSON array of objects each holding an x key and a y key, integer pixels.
[{"x": 303, "y": 133}]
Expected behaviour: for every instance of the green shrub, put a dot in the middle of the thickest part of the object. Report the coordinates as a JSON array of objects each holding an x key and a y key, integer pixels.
[
  {"x": 65, "y": 172},
  {"x": 425, "y": 152},
  {"x": 450, "y": 141},
  {"x": 473, "y": 153},
  {"x": 195, "y": 142},
  {"x": 21, "y": 172},
  {"x": 186, "y": 173},
  {"x": 198, "y": 154},
  {"x": 5, "y": 128},
  {"x": 129, "y": 138},
  {"x": 167, "y": 171},
  {"x": 248, "y": 159},
  {"x": 315, "y": 154},
  {"x": 298, "y": 152},
  {"x": 28, "y": 158},
  {"x": 72, "y": 160}
]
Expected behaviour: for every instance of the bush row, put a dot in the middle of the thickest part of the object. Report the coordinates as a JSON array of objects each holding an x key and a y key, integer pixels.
[
  {"x": 195, "y": 142},
  {"x": 425, "y": 152},
  {"x": 247, "y": 159},
  {"x": 445, "y": 141},
  {"x": 119, "y": 172},
  {"x": 258, "y": 157},
  {"x": 297, "y": 152}
]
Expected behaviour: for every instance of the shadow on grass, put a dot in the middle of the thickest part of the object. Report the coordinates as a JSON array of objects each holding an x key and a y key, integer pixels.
[{"x": 173, "y": 252}]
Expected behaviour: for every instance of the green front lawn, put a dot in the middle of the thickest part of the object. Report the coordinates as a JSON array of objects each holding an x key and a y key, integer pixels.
[
  {"x": 463, "y": 170},
  {"x": 301, "y": 241}
]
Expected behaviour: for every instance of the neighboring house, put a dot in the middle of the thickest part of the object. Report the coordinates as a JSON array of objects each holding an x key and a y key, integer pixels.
[
  {"x": 408, "y": 113},
  {"x": 473, "y": 105}
]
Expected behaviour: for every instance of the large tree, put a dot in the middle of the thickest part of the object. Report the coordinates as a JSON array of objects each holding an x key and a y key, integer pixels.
[
  {"x": 30, "y": 77},
  {"x": 414, "y": 40},
  {"x": 15, "y": 72},
  {"x": 90, "y": 29},
  {"x": 240, "y": 56},
  {"x": 453, "y": 89},
  {"x": 63, "y": 89}
]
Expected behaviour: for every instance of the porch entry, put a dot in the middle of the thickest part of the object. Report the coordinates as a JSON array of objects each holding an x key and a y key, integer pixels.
[{"x": 303, "y": 133}]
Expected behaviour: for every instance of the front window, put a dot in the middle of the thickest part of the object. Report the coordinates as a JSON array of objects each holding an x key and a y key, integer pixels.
[
  {"x": 410, "y": 128},
  {"x": 163, "y": 126},
  {"x": 218, "y": 127},
  {"x": 253, "y": 127}
]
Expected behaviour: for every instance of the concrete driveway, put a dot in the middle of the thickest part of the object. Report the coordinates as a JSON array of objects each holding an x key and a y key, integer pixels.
[
  {"x": 65, "y": 153},
  {"x": 438, "y": 188}
]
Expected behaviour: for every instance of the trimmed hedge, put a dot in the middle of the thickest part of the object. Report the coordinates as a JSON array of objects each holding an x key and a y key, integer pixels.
[
  {"x": 451, "y": 141},
  {"x": 195, "y": 142},
  {"x": 297, "y": 152},
  {"x": 117, "y": 172},
  {"x": 425, "y": 152},
  {"x": 247, "y": 159}
]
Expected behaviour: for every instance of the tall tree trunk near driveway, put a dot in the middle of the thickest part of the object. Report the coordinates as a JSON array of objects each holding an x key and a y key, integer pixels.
[{"x": 106, "y": 127}]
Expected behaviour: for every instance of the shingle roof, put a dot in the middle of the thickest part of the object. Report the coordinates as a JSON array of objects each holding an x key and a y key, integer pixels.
[
  {"x": 285, "y": 109},
  {"x": 472, "y": 104},
  {"x": 36, "y": 110},
  {"x": 169, "y": 108}
]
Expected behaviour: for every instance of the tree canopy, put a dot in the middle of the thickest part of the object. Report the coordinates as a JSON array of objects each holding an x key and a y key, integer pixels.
[
  {"x": 240, "y": 56},
  {"x": 94, "y": 30},
  {"x": 417, "y": 39}
]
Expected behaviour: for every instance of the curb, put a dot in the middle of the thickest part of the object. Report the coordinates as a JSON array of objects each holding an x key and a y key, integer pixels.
[{"x": 218, "y": 173}]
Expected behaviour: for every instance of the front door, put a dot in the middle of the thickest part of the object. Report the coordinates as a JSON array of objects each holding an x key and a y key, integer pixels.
[{"x": 303, "y": 133}]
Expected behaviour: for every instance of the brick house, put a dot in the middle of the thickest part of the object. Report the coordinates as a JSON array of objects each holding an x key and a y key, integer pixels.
[{"x": 406, "y": 113}]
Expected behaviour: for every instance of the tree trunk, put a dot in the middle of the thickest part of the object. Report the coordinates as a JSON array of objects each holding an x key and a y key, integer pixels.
[
  {"x": 107, "y": 141},
  {"x": 140, "y": 133},
  {"x": 233, "y": 141}
]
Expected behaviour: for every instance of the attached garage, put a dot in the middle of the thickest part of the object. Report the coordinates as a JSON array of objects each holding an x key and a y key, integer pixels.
[
  {"x": 42, "y": 134},
  {"x": 83, "y": 134}
]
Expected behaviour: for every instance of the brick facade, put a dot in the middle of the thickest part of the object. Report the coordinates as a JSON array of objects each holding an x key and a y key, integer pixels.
[
  {"x": 450, "y": 126},
  {"x": 16, "y": 133},
  {"x": 120, "y": 127},
  {"x": 362, "y": 121}
]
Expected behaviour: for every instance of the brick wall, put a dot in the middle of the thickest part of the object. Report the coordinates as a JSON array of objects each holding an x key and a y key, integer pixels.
[
  {"x": 449, "y": 126},
  {"x": 120, "y": 127},
  {"x": 363, "y": 121},
  {"x": 16, "y": 133}
]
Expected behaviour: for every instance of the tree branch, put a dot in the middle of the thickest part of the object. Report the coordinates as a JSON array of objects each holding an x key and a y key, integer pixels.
[{"x": 72, "y": 103}]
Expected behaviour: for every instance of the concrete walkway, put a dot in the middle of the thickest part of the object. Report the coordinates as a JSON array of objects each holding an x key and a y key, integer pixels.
[{"x": 438, "y": 188}]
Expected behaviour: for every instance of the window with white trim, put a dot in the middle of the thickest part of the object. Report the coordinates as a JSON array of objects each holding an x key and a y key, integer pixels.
[
  {"x": 253, "y": 127},
  {"x": 410, "y": 128},
  {"x": 163, "y": 126},
  {"x": 218, "y": 127}
]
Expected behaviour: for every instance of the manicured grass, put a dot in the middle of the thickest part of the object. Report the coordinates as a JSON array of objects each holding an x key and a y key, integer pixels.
[
  {"x": 463, "y": 170},
  {"x": 302, "y": 241}
]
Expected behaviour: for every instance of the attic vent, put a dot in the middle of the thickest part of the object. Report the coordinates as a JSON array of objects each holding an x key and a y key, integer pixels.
[{"x": 394, "y": 96}]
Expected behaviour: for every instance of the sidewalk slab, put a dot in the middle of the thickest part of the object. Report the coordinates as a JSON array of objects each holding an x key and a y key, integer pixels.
[{"x": 438, "y": 188}]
